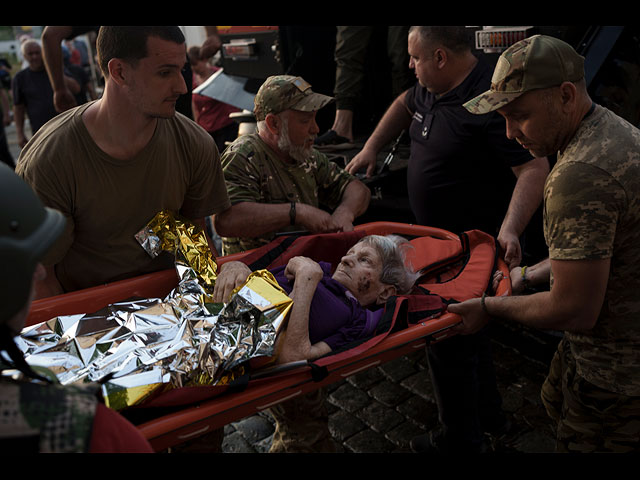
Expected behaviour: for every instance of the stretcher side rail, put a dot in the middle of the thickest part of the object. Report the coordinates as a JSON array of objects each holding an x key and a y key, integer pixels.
[{"x": 176, "y": 428}]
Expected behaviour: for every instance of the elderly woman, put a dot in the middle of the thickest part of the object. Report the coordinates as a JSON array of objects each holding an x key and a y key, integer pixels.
[{"x": 330, "y": 311}]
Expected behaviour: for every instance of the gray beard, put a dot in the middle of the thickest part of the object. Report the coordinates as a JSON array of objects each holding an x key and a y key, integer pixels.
[{"x": 297, "y": 152}]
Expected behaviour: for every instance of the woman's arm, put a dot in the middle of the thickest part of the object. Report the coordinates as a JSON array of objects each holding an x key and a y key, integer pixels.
[{"x": 294, "y": 343}]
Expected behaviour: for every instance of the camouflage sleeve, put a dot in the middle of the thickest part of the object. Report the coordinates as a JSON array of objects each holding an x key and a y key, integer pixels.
[
  {"x": 241, "y": 177},
  {"x": 583, "y": 205},
  {"x": 331, "y": 180}
]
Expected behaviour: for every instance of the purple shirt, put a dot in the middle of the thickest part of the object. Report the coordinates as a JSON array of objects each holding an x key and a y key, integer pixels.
[{"x": 335, "y": 317}]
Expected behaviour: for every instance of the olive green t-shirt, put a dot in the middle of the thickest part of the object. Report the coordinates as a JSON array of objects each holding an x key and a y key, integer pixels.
[
  {"x": 107, "y": 201},
  {"x": 254, "y": 173},
  {"x": 592, "y": 211}
]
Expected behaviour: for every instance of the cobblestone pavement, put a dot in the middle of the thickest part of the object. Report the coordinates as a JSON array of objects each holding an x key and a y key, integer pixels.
[{"x": 381, "y": 409}]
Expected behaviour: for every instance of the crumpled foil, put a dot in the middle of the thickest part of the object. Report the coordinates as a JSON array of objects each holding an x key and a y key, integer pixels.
[
  {"x": 170, "y": 232},
  {"x": 143, "y": 347}
]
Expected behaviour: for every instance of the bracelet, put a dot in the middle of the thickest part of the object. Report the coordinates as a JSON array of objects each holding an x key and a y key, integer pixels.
[
  {"x": 292, "y": 213},
  {"x": 484, "y": 305},
  {"x": 523, "y": 273}
]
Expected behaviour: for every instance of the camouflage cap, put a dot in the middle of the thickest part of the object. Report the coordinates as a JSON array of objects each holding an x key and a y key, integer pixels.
[
  {"x": 536, "y": 62},
  {"x": 283, "y": 92}
]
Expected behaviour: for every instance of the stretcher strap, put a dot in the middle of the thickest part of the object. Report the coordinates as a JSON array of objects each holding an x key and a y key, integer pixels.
[
  {"x": 318, "y": 373},
  {"x": 239, "y": 384},
  {"x": 326, "y": 247},
  {"x": 270, "y": 255},
  {"x": 395, "y": 308}
]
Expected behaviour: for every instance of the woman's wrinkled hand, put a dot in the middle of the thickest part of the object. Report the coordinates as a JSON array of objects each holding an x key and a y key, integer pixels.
[{"x": 298, "y": 267}]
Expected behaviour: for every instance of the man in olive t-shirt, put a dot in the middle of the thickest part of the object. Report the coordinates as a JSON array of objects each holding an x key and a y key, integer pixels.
[{"x": 109, "y": 166}]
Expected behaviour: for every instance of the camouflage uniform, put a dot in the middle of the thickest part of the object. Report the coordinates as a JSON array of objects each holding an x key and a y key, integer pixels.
[
  {"x": 254, "y": 173},
  {"x": 46, "y": 419},
  {"x": 592, "y": 211},
  {"x": 588, "y": 418}
]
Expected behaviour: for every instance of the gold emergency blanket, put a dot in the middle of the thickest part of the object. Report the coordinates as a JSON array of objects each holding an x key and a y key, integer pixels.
[{"x": 143, "y": 347}]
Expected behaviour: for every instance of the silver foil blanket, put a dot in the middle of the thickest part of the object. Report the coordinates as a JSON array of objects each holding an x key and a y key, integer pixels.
[{"x": 143, "y": 347}]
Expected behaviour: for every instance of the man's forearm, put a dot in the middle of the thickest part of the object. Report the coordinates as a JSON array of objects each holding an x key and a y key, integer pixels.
[
  {"x": 250, "y": 219},
  {"x": 355, "y": 198},
  {"x": 532, "y": 310},
  {"x": 395, "y": 119},
  {"x": 52, "y": 53},
  {"x": 526, "y": 197},
  {"x": 574, "y": 302}
]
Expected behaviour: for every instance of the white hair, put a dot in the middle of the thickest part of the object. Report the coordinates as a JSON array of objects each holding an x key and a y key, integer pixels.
[
  {"x": 393, "y": 254},
  {"x": 28, "y": 42}
]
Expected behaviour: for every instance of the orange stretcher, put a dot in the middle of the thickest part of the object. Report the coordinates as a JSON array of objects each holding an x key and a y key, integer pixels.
[{"x": 189, "y": 412}]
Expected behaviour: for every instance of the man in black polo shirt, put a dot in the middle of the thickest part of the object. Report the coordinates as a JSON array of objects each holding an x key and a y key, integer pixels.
[{"x": 463, "y": 174}]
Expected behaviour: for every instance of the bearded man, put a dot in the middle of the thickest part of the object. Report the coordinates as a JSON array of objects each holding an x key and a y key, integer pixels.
[{"x": 277, "y": 181}]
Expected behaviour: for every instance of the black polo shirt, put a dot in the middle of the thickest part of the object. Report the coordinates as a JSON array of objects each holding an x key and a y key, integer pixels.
[{"x": 459, "y": 175}]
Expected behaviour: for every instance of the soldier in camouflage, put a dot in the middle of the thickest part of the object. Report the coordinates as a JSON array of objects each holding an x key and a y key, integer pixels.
[
  {"x": 592, "y": 228},
  {"x": 276, "y": 181},
  {"x": 38, "y": 414}
]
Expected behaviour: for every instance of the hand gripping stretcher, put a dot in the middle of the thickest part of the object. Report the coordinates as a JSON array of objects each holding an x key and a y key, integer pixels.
[{"x": 455, "y": 268}]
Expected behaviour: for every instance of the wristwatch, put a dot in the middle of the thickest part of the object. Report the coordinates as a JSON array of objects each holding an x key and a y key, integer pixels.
[{"x": 292, "y": 213}]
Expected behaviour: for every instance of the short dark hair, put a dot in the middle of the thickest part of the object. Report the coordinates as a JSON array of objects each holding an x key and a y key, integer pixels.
[
  {"x": 454, "y": 38},
  {"x": 130, "y": 42}
]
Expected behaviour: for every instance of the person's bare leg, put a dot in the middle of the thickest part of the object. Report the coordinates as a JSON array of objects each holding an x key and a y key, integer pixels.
[{"x": 343, "y": 124}]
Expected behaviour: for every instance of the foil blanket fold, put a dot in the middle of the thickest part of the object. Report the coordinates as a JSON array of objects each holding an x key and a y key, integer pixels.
[{"x": 139, "y": 348}]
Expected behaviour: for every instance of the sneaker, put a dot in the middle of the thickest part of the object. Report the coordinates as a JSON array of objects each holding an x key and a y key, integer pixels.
[{"x": 330, "y": 140}]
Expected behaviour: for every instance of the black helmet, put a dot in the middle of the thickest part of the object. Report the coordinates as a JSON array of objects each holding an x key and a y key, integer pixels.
[{"x": 27, "y": 231}]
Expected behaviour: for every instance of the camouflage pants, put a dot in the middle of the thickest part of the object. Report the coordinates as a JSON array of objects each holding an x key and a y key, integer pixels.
[
  {"x": 302, "y": 425},
  {"x": 588, "y": 418}
]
